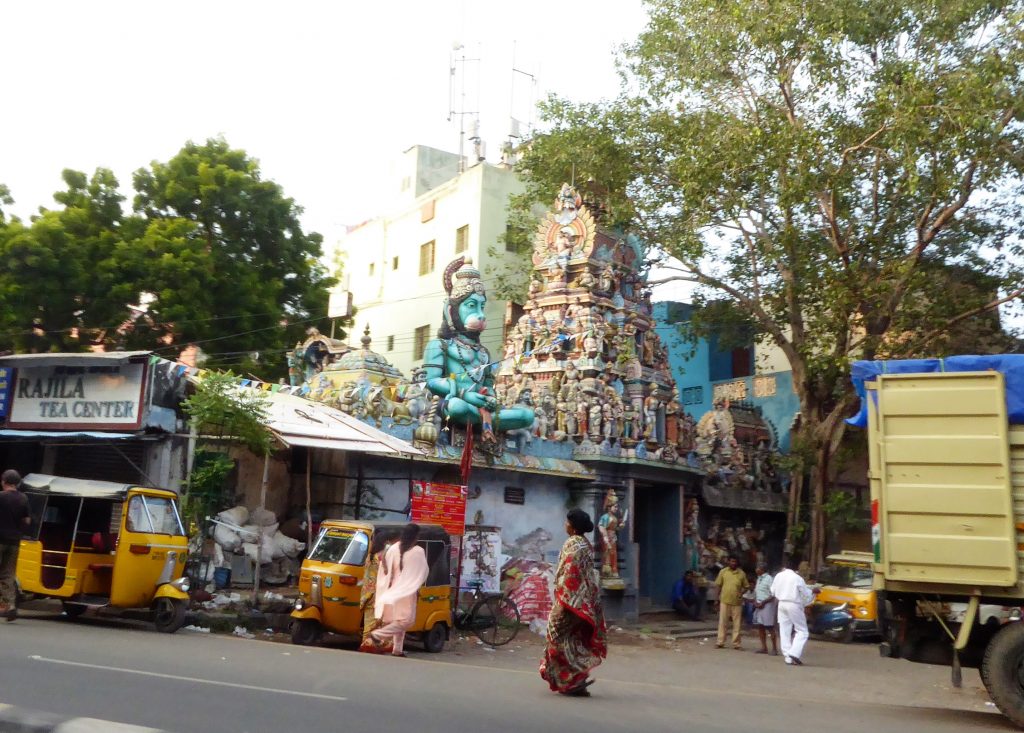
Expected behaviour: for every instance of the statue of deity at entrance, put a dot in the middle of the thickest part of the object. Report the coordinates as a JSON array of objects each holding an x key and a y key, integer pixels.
[
  {"x": 458, "y": 367},
  {"x": 608, "y": 527}
]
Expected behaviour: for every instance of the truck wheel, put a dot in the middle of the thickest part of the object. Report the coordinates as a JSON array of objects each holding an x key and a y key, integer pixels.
[
  {"x": 433, "y": 640},
  {"x": 1002, "y": 671},
  {"x": 305, "y": 632}
]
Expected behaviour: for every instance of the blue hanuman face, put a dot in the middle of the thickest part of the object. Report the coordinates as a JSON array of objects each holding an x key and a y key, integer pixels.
[{"x": 471, "y": 313}]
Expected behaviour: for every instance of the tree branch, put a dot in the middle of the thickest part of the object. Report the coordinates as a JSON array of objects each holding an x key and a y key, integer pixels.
[{"x": 935, "y": 333}]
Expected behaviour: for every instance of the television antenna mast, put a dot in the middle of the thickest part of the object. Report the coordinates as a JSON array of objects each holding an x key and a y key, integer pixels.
[
  {"x": 516, "y": 130},
  {"x": 457, "y": 66}
]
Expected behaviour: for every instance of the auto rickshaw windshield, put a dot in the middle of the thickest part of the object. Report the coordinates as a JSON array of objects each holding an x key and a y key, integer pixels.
[
  {"x": 155, "y": 515},
  {"x": 845, "y": 576},
  {"x": 342, "y": 546}
]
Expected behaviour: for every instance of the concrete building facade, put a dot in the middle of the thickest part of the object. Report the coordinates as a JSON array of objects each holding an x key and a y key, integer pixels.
[{"x": 393, "y": 264}]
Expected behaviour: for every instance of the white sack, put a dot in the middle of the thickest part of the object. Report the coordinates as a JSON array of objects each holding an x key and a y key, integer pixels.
[{"x": 237, "y": 516}]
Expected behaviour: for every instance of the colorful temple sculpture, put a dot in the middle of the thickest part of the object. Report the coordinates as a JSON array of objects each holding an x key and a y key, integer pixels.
[
  {"x": 582, "y": 390},
  {"x": 458, "y": 368},
  {"x": 584, "y": 354}
]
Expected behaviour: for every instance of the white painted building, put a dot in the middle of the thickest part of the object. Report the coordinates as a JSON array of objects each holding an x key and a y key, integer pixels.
[{"x": 393, "y": 265}]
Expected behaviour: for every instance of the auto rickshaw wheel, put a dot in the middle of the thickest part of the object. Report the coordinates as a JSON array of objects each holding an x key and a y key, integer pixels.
[
  {"x": 433, "y": 640},
  {"x": 73, "y": 610},
  {"x": 168, "y": 615},
  {"x": 305, "y": 632}
]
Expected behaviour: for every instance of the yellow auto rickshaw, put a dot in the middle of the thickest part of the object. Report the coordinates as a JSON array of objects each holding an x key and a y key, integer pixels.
[
  {"x": 331, "y": 580},
  {"x": 96, "y": 544},
  {"x": 846, "y": 582}
]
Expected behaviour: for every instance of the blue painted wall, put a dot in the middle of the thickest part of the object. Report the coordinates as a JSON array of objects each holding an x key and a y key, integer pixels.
[{"x": 698, "y": 368}]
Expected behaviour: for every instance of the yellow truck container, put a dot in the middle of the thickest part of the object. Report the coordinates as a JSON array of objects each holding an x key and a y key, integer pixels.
[{"x": 946, "y": 472}]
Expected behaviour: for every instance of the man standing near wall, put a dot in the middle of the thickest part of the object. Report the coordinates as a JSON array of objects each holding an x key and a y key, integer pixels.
[
  {"x": 14, "y": 520},
  {"x": 732, "y": 582}
]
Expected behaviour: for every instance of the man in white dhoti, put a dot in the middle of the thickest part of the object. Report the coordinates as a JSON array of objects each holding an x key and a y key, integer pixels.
[{"x": 793, "y": 596}]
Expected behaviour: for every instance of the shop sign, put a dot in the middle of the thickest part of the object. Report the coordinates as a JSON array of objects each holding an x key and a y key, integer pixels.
[
  {"x": 443, "y": 504},
  {"x": 6, "y": 376},
  {"x": 76, "y": 397}
]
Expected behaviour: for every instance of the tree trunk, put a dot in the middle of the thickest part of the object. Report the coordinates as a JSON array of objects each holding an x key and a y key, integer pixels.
[
  {"x": 796, "y": 490},
  {"x": 819, "y": 538}
]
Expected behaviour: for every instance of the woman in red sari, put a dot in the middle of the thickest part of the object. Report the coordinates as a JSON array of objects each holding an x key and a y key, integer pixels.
[{"x": 576, "y": 637}]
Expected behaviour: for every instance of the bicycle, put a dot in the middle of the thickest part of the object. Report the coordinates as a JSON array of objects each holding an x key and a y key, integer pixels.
[{"x": 493, "y": 617}]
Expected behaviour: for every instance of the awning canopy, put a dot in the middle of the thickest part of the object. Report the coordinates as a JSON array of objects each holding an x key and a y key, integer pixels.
[
  {"x": 42, "y": 483},
  {"x": 66, "y": 434},
  {"x": 91, "y": 359},
  {"x": 301, "y": 422}
]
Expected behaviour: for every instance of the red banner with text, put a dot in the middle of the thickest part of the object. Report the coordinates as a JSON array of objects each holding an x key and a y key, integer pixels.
[{"x": 443, "y": 504}]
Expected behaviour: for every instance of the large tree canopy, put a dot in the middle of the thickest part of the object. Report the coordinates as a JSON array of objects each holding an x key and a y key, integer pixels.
[
  {"x": 266, "y": 269},
  {"x": 213, "y": 255},
  {"x": 830, "y": 168}
]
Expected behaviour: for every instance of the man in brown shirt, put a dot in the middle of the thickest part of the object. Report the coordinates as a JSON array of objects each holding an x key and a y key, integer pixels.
[
  {"x": 732, "y": 583},
  {"x": 14, "y": 520}
]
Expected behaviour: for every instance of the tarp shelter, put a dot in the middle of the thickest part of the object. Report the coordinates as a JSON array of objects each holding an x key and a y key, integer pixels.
[{"x": 1011, "y": 366}]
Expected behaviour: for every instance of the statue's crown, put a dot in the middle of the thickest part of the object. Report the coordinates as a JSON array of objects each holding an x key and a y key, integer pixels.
[{"x": 466, "y": 280}]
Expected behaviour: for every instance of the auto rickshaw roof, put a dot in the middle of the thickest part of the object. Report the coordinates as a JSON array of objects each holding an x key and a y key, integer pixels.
[
  {"x": 851, "y": 558},
  {"x": 427, "y": 531},
  {"x": 85, "y": 488}
]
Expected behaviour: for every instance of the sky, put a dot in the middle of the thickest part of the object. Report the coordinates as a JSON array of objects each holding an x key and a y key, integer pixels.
[{"x": 326, "y": 95}]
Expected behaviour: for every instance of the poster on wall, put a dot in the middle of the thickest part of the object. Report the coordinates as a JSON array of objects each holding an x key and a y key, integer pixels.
[
  {"x": 481, "y": 559},
  {"x": 63, "y": 397},
  {"x": 443, "y": 504},
  {"x": 6, "y": 374}
]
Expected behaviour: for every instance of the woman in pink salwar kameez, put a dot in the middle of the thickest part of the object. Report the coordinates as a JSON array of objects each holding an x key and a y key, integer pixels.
[{"x": 399, "y": 580}]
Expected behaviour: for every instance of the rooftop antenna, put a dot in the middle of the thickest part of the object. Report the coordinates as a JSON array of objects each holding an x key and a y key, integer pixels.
[
  {"x": 516, "y": 131},
  {"x": 457, "y": 63}
]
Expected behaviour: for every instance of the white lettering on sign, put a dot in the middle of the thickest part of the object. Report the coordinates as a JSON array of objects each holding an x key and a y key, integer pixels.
[{"x": 72, "y": 396}]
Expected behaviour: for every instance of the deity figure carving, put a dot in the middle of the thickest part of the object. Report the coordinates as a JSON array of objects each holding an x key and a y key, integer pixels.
[
  {"x": 651, "y": 404},
  {"x": 606, "y": 284},
  {"x": 671, "y": 422},
  {"x": 567, "y": 204},
  {"x": 608, "y": 526},
  {"x": 582, "y": 415},
  {"x": 586, "y": 280},
  {"x": 571, "y": 424},
  {"x": 457, "y": 366},
  {"x": 595, "y": 419}
]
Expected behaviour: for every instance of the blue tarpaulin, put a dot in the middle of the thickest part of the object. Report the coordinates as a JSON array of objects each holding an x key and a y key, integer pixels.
[{"x": 1011, "y": 365}]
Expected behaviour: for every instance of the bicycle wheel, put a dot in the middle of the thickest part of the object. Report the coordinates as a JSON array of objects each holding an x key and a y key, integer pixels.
[{"x": 495, "y": 620}]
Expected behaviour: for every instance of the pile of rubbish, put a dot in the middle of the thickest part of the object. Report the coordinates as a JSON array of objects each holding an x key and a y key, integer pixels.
[{"x": 258, "y": 536}]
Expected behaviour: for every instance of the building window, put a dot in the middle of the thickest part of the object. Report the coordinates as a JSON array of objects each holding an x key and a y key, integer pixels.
[
  {"x": 394, "y": 263},
  {"x": 420, "y": 338},
  {"x": 427, "y": 212},
  {"x": 692, "y": 395},
  {"x": 427, "y": 258},
  {"x": 515, "y": 495},
  {"x": 512, "y": 234},
  {"x": 371, "y": 269},
  {"x": 406, "y": 182},
  {"x": 461, "y": 239},
  {"x": 391, "y": 343}
]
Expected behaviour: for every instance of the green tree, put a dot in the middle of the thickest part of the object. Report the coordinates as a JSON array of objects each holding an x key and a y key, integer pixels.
[
  {"x": 270, "y": 279},
  {"x": 222, "y": 414},
  {"x": 824, "y": 166},
  {"x": 56, "y": 285}
]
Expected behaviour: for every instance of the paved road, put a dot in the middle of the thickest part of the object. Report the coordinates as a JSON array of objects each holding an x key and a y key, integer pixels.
[{"x": 200, "y": 682}]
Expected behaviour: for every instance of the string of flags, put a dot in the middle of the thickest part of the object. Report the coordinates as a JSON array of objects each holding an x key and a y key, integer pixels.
[{"x": 183, "y": 370}]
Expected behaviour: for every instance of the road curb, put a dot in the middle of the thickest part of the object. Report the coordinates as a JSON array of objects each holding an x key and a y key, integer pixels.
[{"x": 22, "y": 720}]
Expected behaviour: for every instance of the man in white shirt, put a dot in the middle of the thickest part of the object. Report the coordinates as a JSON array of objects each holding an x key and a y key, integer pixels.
[{"x": 793, "y": 595}]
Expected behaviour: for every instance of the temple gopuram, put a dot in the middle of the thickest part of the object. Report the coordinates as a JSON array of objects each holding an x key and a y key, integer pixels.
[{"x": 579, "y": 409}]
